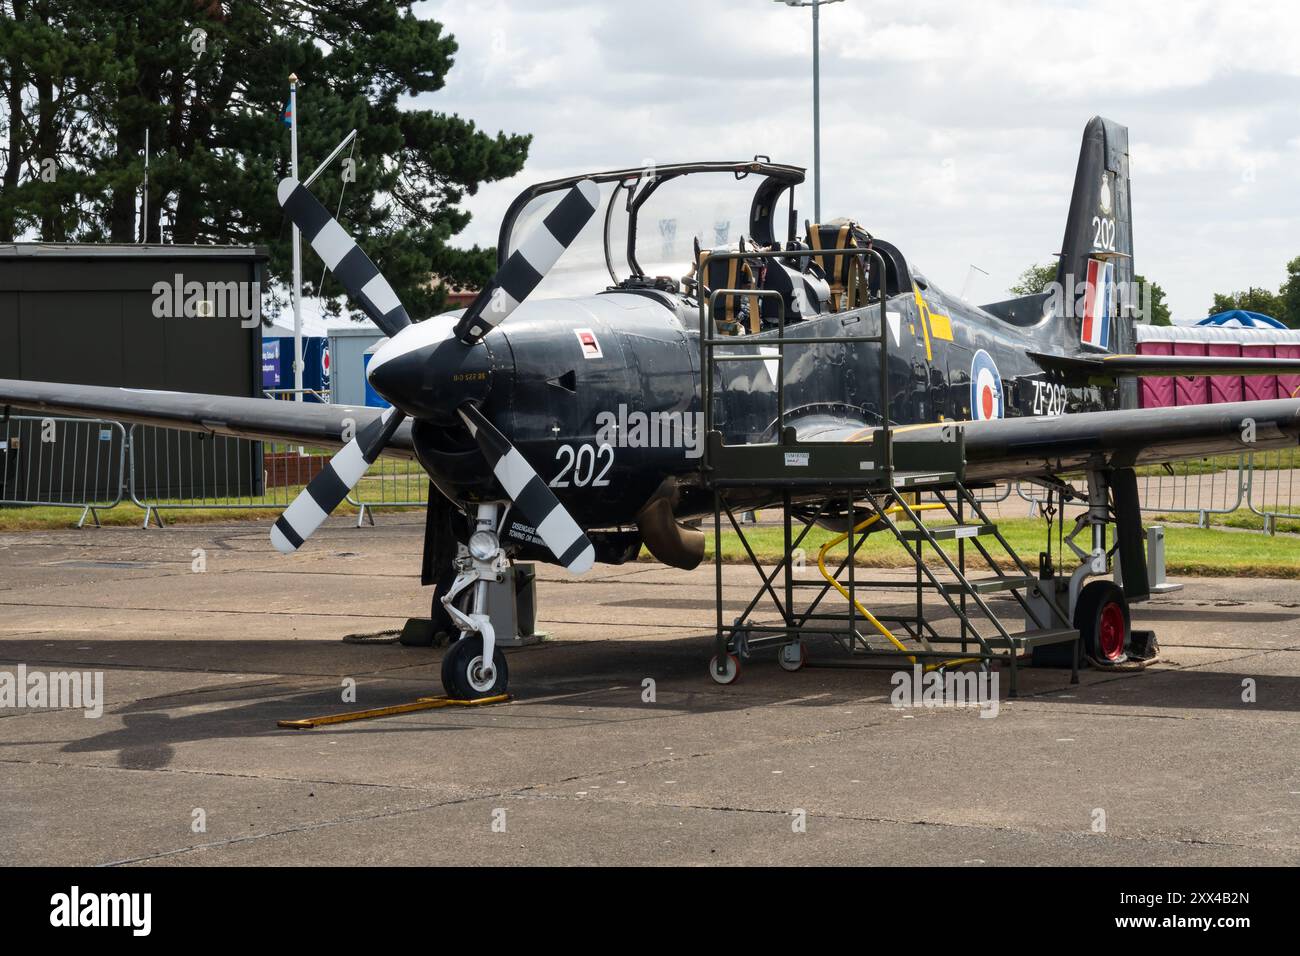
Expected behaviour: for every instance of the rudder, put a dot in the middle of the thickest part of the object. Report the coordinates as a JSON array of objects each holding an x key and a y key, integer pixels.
[{"x": 1095, "y": 272}]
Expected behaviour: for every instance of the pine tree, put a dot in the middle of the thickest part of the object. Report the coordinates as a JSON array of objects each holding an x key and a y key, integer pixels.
[{"x": 208, "y": 80}]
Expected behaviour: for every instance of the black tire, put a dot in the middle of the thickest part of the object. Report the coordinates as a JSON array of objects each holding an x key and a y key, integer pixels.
[
  {"x": 1103, "y": 621},
  {"x": 460, "y": 664}
]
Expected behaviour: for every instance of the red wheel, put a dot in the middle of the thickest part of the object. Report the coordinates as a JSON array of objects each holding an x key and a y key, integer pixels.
[
  {"x": 1111, "y": 634},
  {"x": 1102, "y": 618},
  {"x": 729, "y": 673}
]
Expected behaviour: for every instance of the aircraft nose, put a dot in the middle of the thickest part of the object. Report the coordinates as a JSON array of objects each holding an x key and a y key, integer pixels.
[{"x": 428, "y": 373}]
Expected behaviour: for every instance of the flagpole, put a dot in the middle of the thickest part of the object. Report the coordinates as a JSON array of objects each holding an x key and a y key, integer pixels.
[
  {"x": 297, "y": 244},
  {"x": 144, "y": 218}
]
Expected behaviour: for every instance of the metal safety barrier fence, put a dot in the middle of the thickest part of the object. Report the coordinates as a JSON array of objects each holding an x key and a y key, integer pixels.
[
  {"x": 1273, "y": 488},
  {"x": 58, "y": 462},
  {"x": 1201, "y": 486}
]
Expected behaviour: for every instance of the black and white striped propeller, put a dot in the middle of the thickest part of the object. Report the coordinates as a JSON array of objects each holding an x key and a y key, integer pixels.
[
  {"x": 529, "y": 263},
  {"x": 535, "y": 501},
  {"x": 343, "y": 257},
  {"x": 514, "y": 281},
  {"x": 326, "y": 491}
]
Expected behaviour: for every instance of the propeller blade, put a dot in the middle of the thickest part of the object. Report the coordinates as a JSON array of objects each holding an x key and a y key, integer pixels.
[
  {"x": 343, "y": 257},
  {"x": 331, "y": 485},
  {"x": 555, "y": 526},
  {"x": 528, "y": 264}
]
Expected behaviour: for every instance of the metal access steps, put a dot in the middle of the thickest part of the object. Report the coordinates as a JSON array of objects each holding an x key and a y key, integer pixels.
[
  {"x": 981, "y": 629},
  {"x": 989, "y": 585},
  {"x": 946, "y": 532},
  {"x": 1025, "y": 640},
  {"x": 923, "y": 479}
]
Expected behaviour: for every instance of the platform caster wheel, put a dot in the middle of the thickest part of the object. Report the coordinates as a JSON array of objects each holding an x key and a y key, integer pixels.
[
  {"x": 792, "y": 657},
  {"x": 463, "y": 675},
  {"x": 1102, "y": 619},
  {"x": 729, "y": 674}
]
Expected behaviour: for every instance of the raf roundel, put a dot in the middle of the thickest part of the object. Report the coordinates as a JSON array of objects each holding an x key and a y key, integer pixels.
[{"x": 985, "y": 388}]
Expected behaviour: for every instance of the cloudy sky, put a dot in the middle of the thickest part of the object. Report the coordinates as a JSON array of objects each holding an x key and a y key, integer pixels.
[{"x": 951, "y": 129}]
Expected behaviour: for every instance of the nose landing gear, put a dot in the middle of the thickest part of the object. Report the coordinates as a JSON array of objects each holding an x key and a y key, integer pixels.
[{"x": 474, "y": 666}]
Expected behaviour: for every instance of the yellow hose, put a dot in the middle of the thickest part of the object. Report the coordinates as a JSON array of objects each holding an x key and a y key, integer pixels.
[{"x": 884, "y": 631}]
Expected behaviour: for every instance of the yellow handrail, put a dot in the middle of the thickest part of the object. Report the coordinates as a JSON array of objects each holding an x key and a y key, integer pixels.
[{"x": 884, "y": 631}]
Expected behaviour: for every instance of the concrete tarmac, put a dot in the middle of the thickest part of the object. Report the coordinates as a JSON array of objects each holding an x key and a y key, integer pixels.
[{"x": 1194, "y": 761}]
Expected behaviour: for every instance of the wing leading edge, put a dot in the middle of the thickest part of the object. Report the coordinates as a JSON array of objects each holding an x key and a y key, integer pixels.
[
  {"x": 1009, "y": 448},
  {"x": 256, "y": 418}
]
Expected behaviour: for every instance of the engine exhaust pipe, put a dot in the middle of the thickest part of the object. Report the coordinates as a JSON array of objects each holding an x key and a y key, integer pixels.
[{"x": 672, "y": 543}]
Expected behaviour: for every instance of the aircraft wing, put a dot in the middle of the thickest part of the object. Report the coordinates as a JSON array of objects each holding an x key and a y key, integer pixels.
[
  {"x": 1009, "y": 448},
  {"x": 1153, "y": 366},
  {"x": 258, "y": 418}
]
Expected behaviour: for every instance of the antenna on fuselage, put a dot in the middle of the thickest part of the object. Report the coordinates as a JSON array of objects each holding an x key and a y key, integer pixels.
[{"x": 970, "y": 279}]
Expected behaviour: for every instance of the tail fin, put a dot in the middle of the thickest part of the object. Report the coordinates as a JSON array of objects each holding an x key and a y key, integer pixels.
[{"x": 1096, "y": 268}]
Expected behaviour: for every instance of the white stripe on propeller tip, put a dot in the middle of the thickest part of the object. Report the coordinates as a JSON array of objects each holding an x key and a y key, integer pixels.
[
  {"x": 531, "y": 497},
  {"x": 530, "y": 262},
  {"x": 343, "y": 257},
  {"x": 326, "y": 491}
]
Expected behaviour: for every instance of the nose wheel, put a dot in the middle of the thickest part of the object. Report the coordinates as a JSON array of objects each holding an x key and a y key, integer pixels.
[{"x": 465, "y": 674}]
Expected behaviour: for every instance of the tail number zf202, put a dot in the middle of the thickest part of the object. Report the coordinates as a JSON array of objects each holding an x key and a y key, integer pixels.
[
  {"x": 1050, "y": 399},
  {"x": 587, "y": 465}
]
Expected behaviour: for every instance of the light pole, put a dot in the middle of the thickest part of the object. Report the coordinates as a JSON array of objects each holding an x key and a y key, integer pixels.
[
  {"x": 817, "y": 104},
  {"x": 297, "y": 244}
]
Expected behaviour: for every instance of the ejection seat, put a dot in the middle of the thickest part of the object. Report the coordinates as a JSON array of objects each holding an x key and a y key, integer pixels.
[
  {"x": 732, "y": 314},
  {"x": 853, "y": 279},
  {"x": 803, "y": 288},
  {"x": 847, "y": 275}
]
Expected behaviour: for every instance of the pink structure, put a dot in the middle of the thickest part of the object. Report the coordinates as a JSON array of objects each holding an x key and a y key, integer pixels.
[
  {"x": 1156, "y": 392},
  {"x": 1191, "y": 391},
  {"x": 1225, "y": 388},
  {"x": 1288, "y": 386},
  {"x": 1217, "y": 340},
  {"x": 1257, "y": 388}
]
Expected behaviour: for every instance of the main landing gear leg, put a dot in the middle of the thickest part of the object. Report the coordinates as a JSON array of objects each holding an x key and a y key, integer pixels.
[
  {"x": 474, "y": 666},
  {"x": 1098, "y": 609}
]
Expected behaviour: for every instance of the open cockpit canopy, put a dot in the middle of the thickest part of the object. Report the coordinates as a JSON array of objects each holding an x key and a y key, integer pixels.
[{"x": 649, "y": 219}]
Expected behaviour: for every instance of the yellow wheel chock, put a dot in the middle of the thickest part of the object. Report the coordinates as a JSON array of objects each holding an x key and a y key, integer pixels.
[{"x": 423, "y": 703}]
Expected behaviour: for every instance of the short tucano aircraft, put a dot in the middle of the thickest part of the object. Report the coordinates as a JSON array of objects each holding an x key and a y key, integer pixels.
[{"x": 567, "y": 429}]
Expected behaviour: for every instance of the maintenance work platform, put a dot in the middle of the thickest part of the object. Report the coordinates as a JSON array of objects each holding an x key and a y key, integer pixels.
[{"x": 871, "y": 484}]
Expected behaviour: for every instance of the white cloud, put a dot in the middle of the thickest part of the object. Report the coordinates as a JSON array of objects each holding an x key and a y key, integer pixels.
[{"x": 950, "y": 129}]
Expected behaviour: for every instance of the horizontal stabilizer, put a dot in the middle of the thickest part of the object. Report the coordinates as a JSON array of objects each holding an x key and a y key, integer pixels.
[{"x": 1156, "y": 366}]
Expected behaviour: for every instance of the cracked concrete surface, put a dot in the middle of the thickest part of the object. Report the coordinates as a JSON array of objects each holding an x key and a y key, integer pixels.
[{"x": 199, "y": 667}]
